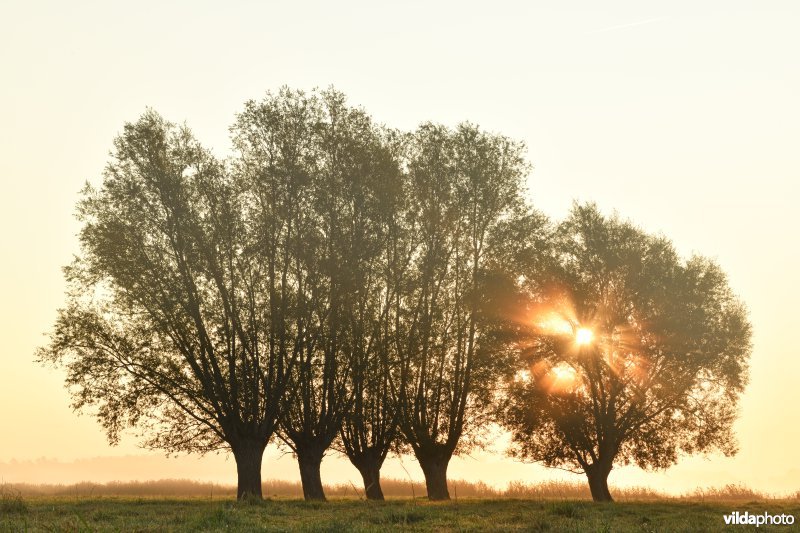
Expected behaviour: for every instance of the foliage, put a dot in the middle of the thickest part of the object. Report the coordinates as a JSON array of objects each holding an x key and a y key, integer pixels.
[
  {"x": 664, "y": 367},
  {"x": 346, "y": 184},
  {"x": 338, "y": 283},
  {"x": 453, "y": 343},
  {"x": 175, "y": 321}
]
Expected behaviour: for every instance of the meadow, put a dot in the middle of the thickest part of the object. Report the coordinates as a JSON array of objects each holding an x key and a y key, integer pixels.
[{"x": 174, "y": 505}]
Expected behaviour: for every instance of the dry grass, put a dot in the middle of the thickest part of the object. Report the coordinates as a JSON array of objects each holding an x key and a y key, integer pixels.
[
  {"x": 737, "y": 493},
  {"x": 11, "y": 500},
  {"x": 350, "y": 514},
  {"x": 392, "y": 488},
  {"x": 180, "y": 505}
]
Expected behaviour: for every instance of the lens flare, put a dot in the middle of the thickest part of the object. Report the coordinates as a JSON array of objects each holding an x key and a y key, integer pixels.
[
  {"x": 564, "y": 373},
  {"x": 561, "y": 379}
]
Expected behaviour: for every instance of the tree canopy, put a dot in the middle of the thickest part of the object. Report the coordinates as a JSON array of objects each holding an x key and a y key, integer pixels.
[
  {"x": 466, "y": 189},
  {"x": 336, "y": 283},
  {"x": 172, "y": 323},
  {"x": 345, "y": 179},
  {"x": 635, "y": 355}
]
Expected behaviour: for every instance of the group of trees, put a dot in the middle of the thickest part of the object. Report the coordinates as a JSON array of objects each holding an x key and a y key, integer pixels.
[{"x": 337, "y": 285}]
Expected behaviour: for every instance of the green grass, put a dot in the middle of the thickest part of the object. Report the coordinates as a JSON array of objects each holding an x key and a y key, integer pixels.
[{"x": 143, "y": 514}]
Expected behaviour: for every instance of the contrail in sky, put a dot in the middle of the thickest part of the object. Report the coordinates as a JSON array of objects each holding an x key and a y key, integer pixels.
[{"x": 629, "y": 25}]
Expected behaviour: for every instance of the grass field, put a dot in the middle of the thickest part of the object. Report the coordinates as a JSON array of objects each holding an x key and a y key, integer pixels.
[
  {"x": 142, "y": 514},
  {"x": 155, "y": 506}
]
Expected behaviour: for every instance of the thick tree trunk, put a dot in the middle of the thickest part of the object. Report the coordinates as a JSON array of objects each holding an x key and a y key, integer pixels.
[
  {"x": 248, "y": 455},
  {"x": 371, "y": 474},
  {"x": 435, "y": 469},
  {"x": 598, "y": 482},
  {"x": 310, "y": 462}
]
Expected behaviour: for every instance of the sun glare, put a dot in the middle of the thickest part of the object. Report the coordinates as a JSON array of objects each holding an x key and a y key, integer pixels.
[
  {"x": 564, "y": 373},
  {"x": 554, "y": 324},
  {"x": 561, "y": 379},
  {"x": 584, "y": 336}
]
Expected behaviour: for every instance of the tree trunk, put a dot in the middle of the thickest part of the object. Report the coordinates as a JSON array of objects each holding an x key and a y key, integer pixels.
[
  {"x": 310, "y": 462},
  {"x": 435, "y": 470},
  {"x": 371, "y": 474},
  {"x": 598, "y": 482},
  {"x": 248, "y": 455}
]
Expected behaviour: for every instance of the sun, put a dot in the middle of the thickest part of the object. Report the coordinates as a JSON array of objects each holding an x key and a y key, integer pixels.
[{"x": 584, "y": 336}]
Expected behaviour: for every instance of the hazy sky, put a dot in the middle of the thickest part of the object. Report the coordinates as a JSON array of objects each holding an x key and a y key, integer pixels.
[{"x": 683, "y": 116}]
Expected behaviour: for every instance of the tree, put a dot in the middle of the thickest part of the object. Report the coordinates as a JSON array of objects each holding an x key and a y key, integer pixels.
[
  {"x": 635, "y": 356},
  {"x": 370, "y": 426},
  {"x": 465, "y": 188},
  {"x": 342, "y": 167},
  {"x": 180, "y": 318}
]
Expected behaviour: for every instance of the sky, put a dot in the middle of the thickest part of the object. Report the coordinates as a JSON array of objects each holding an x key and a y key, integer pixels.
[{"x": 682, "y": 116}]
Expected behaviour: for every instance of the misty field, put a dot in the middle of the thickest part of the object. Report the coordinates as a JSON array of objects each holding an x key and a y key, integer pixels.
[{"x": 154, "y": 506}]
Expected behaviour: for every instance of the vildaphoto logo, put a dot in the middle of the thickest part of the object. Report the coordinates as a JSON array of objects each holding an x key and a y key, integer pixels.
[{"x": 746, "y": 519}]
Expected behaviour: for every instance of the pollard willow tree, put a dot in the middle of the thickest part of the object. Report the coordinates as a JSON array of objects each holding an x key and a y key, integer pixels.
[
  {"x": 369, "y": 429},
  {"x": 452, "y": 348},
  {"x": 181, "y": 319},
  {"x": 347, "y": 174},
  {"x": 635, "y": 356}
]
